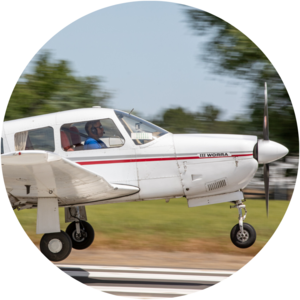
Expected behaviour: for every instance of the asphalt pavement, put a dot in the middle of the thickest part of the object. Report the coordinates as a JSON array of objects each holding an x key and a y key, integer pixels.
[{"x": 145, "y": 282}]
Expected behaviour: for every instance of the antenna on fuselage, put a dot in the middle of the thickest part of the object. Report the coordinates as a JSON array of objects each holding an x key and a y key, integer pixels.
[{"x": 131, "y": 111}]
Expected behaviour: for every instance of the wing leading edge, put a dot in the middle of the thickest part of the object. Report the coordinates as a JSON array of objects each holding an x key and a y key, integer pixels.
[{"x": 29, "y": 175}]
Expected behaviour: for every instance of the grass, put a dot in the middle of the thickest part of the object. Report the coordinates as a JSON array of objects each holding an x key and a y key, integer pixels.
[{"x": 156, "y": 225}]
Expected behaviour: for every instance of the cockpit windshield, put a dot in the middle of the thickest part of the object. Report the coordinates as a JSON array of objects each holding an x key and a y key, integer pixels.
[{"x": 141, "y": 131}]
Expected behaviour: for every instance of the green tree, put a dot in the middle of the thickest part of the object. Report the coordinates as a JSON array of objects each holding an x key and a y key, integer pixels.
[
  {"x": 230, "y": 52},
  {"x": 210, "y": 114},
  {"x": 53, "y": 87},
  {"x": 179, "y": 120}
]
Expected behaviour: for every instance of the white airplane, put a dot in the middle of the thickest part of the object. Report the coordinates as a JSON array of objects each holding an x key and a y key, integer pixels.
[{"x": 96, "y": 155}]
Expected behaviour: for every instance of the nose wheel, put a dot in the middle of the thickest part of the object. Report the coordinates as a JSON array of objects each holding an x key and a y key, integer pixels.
[
  {"x": 81, "y": 233},
  {"x": 56, "y": 246},
  {"x": 245, "y": 238},
  {"x": 242, "y": 235}
]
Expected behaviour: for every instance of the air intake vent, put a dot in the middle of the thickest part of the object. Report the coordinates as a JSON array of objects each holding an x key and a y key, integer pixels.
[{"x": 214, "y": 185}]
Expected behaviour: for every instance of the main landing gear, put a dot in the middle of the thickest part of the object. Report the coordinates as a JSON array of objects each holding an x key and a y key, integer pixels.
[
  {"x": 242, "y": 234},
  {"x": 56, "y": 246},
  {"x": 79, "y": 235}
]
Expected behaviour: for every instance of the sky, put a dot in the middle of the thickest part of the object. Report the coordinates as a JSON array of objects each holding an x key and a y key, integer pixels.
[{"x": 148, "y": 57}]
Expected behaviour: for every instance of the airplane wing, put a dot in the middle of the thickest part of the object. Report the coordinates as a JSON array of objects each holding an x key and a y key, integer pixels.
[{"x": 29, "y": 175}]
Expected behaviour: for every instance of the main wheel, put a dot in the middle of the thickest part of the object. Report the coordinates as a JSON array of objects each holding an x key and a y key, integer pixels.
[
  {"x": 56, "y": 246},
  {"x": 244, "y": 240},
  {"x": 84, "y": 239}
]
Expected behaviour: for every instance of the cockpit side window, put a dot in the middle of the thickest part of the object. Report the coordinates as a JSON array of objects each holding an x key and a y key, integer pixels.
[
  {"x": 36, "y": 139},
  {"x": 141, "y": 131},
  {"x": 90, "y": 135}
]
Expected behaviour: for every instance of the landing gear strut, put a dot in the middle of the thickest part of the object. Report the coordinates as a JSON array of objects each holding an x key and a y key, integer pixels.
[{"x": 243, "y": 234}]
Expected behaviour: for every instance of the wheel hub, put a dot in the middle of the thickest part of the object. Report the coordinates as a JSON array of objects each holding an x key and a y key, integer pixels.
[
  {"x": 242, "y": 237},
  {"x": 78, "y": 237},
  {"x": 55, "y": 245}
]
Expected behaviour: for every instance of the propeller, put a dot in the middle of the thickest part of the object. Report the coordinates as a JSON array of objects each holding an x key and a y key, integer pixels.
[
  {"x": 266, "y": 151},
  {"x": 266, "y": 138}
]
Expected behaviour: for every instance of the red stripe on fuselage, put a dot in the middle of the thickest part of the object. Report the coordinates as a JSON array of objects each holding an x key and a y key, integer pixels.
[{"x": 122, "y": 161}]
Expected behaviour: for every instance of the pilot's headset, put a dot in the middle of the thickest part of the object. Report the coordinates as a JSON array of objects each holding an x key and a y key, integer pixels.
[{"x": 93, "y": 130}]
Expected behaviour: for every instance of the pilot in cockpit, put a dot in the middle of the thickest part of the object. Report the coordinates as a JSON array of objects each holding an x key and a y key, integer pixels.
[{"x": 95, "y": 131}]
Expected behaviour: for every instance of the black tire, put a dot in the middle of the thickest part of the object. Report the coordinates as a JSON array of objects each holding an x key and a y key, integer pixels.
[
  {"x": 87, "y": 237},
  {"x": 246, "y": 241},
  {"x": 60, "y": 249}
]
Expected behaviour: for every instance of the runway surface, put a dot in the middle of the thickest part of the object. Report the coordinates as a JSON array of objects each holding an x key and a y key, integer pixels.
[{"x": 145, "y": 283}]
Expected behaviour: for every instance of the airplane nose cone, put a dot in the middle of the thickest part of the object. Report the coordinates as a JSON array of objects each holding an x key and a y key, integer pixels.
[{"x": 269, "y": 151}]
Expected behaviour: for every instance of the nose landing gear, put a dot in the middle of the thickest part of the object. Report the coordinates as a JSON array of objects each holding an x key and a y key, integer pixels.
[
  {"x": 243, "y": 239},
  {"x": 242, "y": 234}
]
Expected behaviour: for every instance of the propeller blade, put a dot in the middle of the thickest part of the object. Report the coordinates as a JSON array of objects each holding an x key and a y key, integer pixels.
[
  {"x": 266, "y": 117},
  {"x": 266, "y": 180}
]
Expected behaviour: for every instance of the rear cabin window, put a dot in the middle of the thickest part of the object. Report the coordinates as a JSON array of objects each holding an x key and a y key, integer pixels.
[
  {"x": 90, "y": 135},
  {"x": 36, "y": 139}
]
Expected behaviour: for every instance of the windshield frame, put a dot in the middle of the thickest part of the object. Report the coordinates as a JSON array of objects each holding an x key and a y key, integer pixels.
[{"x": 130, "y": 130}]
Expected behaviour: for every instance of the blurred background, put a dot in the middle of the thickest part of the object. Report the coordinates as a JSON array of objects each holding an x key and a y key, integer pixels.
[{"x": 180, "y": 68}]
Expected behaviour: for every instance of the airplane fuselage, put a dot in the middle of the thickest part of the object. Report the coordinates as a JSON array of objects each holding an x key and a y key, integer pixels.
[{"x": 173, "y": 165}]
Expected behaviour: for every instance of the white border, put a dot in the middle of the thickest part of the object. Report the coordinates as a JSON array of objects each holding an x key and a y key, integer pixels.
[{"x": 28, "y": 25}]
